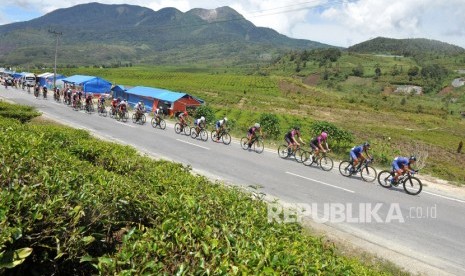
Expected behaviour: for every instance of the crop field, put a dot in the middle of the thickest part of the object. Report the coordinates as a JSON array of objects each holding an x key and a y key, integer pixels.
[
  {"x": 74, "y": 205},
  {"x": 394, "y": 123}
]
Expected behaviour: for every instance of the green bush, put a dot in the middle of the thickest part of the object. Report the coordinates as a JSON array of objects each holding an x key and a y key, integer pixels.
[
  {"x": 207, "y": 112},
  {"x": 341, "y": 138},
  {"x": 270, "y": 124}
]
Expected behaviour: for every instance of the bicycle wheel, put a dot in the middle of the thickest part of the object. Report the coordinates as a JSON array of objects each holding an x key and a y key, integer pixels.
[
  {"x": 259, "y": 146},
  {"x": 153, "y": 123},
  {"x": 326, "y": 163},
  {"x": 283, "y": 151},
  {"x": 177, "y": 128},
  {"x": 187, "y": 130},
  {"x": 226, "y": 138},
  {"x": 384, "y": 178},
  {"x": 162, "y": 124},
  {"x": 298, "y": 155},
  {"x": 412, "y": 185},
  {"x": 203, "y": 135},
  {"x": 213, "y": 136},
  {"x": 142, "y": 119},
  {"x": 193, "y": 133},
  {"x": 244, "y": 143},
  {"x": 307, "y": 158},
  {"x": 134, "y": 118},
  {"x": 344, "y": 168},
  {"x": 125, "y": 117},
  {"x": 368, "y": 174}
]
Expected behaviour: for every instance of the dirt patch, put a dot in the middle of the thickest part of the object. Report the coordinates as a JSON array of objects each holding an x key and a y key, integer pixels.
[
  {"x": 242, "y": 102},
  {"x": 312, "y": 80},
  {"x": 446, "y": 91}
]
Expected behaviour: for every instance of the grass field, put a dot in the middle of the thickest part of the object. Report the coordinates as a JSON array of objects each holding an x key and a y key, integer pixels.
[{"x": 364, "y": 106}]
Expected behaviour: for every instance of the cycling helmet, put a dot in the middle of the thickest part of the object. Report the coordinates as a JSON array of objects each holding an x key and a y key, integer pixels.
[
  {"x": 324, "y": 135},
  {"x": 257, "y": 125},
  {"x": 225, "y": 119},
  {"x": 413, "y": 158},
  {"x": 297, "y": 128},
  {"x": 45, "y": 86},
  {"x": 202, "y": 119},
  {"x": 366, "y": 144}
]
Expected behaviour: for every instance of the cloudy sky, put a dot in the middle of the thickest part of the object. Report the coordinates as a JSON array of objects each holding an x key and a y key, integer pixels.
[{"x": 336, "y": 22}]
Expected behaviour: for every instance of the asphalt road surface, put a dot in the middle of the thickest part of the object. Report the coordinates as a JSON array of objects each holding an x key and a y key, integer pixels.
[{"x": 425, "y": 233}]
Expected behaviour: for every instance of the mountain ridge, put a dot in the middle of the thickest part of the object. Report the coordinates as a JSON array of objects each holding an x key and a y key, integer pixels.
[{"x": 150, "y": 33}]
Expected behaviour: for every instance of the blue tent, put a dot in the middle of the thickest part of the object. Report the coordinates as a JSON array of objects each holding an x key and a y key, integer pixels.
[
  {"x": 47, "y": 79},
  {"x": 18, "y": 75},
  {"x": 89, "y": 83}
]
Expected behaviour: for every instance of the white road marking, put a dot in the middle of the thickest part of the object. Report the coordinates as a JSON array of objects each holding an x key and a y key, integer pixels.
[
  {"x": 192, "y": 144},
  {"x": 321, "y": 182},
  {"x": 124, "y": 124},
  {"x": 445, "y": 197}
]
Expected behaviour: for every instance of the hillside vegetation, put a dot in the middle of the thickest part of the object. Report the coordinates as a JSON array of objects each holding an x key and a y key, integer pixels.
[
  {"x": 74, "y": 205},
  {"x": 115, "y": 35},
  {"x": 355, "y": 92}
]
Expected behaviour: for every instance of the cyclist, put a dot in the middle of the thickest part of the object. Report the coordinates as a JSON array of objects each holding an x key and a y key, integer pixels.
[
  {"x": 252, "y": 133},
  {"x": 140, "y": 109},
  {"x": 291, "y": 140},
  {"x": 114, "y": 106},
  {"x": 69, "y": 93},
  {"x": 101, "y": 101},
  {"x": 220, "y": 126},
  {"x": 402, "y": 165},
  {"x": 316, "y": 143},
  {"x": 356, "y": 154},
  {"x": 123, "y": 106},
  {"x": 75, "y": 100},
  {"x": 157, "y": 114},
  {"x": 199, "y": 124},
  {"x": 183, "y": 119},
  {"x": 36, "y": 90},
  {"x": 88, "y": 101},
  {"x": 44, "y": 91}
]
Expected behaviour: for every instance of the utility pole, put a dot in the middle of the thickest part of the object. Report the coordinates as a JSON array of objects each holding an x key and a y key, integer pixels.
[{"x": 56, "y": 34}]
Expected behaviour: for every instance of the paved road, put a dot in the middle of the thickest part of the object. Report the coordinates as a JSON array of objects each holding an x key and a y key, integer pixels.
[{"x": 425, "y": 230}]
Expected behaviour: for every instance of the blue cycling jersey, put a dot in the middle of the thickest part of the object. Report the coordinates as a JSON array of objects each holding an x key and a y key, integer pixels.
[{"x": 357, "y": 150}]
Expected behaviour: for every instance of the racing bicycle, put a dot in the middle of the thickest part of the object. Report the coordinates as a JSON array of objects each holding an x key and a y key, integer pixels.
[
  {"x": 223, "y": 135},
  {"x": 411, "y": 184},
  {"x": 256, "y": 144},
  {"x": 367, "y": 172},
  {"x": 158, "y": 121},
  {"x": 325, "y": 162}
]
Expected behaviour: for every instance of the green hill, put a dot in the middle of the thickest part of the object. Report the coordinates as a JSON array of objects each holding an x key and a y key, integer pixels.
[
  {"x": 95, "y": 34},
  {"x": 405, "y": 47}
]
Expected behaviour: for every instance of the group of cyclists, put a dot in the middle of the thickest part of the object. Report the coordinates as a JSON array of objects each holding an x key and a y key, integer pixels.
[{"x": 358, "y": 154}]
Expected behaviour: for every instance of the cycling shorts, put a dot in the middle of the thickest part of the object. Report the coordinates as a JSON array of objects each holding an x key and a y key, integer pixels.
[{"x": 354, "y": 155}]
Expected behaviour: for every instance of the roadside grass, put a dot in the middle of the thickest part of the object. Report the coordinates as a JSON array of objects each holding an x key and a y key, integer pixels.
[{"x": 72, "y": 204}]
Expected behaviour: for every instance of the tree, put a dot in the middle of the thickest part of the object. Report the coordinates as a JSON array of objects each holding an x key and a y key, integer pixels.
[
  {"x": 413, "y": 71},
  {"x": 358, "y": 71}
]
